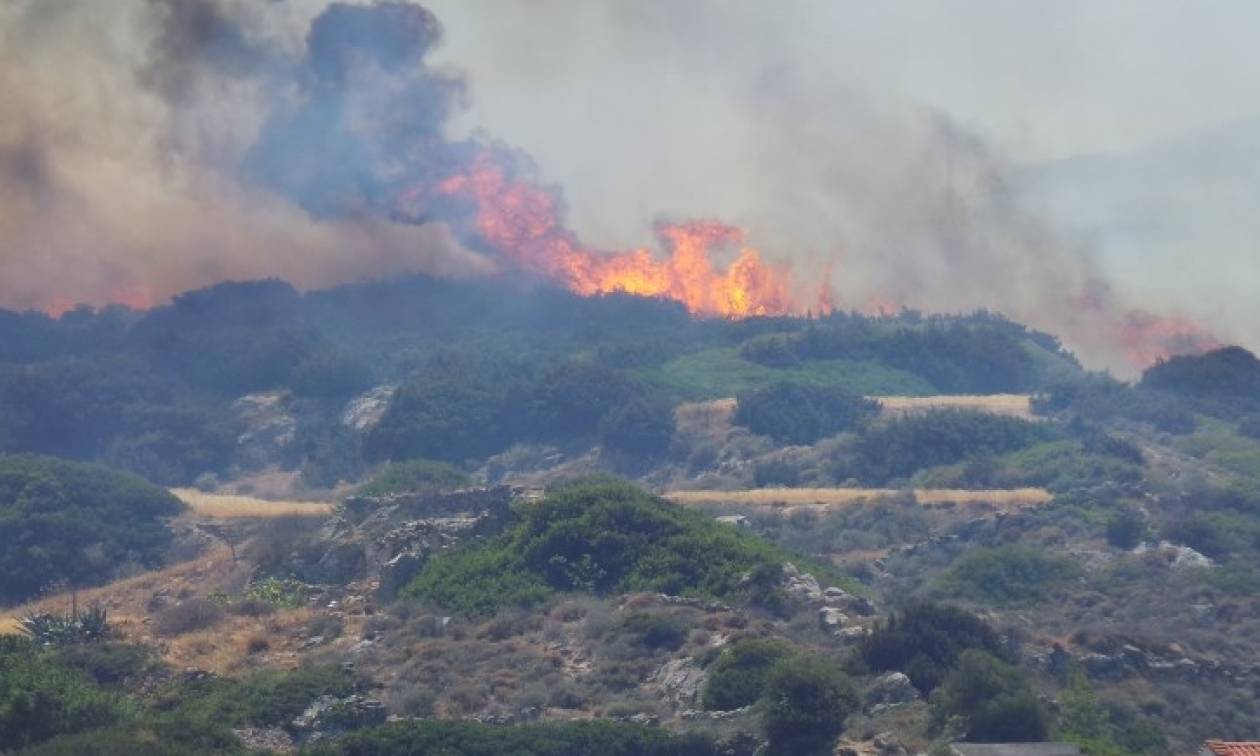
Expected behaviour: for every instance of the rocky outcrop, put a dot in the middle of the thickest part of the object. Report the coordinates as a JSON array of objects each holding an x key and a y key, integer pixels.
[
  {"x": 804, "y": 588},
  {"x": 363, "y": 412},
  {"x": 268, "y": 428},
  {"x": 389, "y": 538},
  {"x": 832, "y": 620},
  {"x": 892, "y": 689},
  {"x": 680, "y": 682},
  {"x": 329, "y": 716}
]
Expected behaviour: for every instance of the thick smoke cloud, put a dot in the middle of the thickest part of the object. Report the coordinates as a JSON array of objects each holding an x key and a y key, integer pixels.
[
  {"x": 149, "y": 146},
  {"x": 130, "y": 135},
  {"x": 368, "y": 110}
]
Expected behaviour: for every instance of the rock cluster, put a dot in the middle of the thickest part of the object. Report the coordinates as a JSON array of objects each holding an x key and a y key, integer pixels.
[{"x": 328, "y": 716}]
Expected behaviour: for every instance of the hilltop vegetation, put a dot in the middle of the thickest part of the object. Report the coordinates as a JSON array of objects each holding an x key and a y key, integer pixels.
[{"x": 478, "y": 365}]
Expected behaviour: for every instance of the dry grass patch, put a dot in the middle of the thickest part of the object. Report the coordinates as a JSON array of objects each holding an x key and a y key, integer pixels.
[
  {"x": 1012, "y": 405},
  {"x": 786, "y": 497},
  {"x": 228, "y": 506}
]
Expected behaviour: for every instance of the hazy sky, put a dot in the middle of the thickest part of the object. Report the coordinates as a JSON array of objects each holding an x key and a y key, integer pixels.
[{"x": 1030, "y": 157}]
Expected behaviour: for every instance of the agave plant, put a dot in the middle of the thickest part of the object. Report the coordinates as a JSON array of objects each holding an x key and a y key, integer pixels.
[{"x": 48, "y": 629}]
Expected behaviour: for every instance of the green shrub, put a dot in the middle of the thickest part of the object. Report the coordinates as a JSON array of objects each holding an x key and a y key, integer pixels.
[
  {"x": 71, "y": 522},
  {"x": 41, "y": 698},
  {"x": 1230, "y": 372},
  {"x": 280, "y": 593},
  {"x": 263, "y": 699},
  {"x": 415, "y": 475},
  {"x": 478, "y": 578},
  {"x": 806, "y": 701},
  {"x": 1126, "y": 529},
  {"x": 993, "y": 698},
  {"x": 903, "y": 445},
  {"x": 925, "y": 641},
  {"x": 1203, "y": 533},
  {"x": 1064, "y": 466},
  {"x": 601, "y": 536},
  {"x": 640, "y": 426},
  {"x": 107, "y": 663},
  {"x": 798, "y": 414},
  {"x": 1008, "y": 575},
  {"x": 737, "y": 677}
]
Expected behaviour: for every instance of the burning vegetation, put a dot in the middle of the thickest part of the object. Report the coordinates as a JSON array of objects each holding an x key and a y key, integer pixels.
[{"x": 519, "y": 221}]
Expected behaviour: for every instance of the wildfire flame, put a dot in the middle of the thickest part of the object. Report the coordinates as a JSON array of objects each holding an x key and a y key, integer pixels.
[{"x": 520, "y": 221}]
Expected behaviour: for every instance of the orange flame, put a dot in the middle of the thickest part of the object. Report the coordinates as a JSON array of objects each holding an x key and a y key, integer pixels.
[{"x": 520, "y": 221}]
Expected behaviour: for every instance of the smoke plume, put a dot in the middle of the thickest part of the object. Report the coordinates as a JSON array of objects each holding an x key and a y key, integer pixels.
[{"x": 153, "y": 146}]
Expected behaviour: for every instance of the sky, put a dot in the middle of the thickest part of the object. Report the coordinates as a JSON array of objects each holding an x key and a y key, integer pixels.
[{"x": 1022, "y": 156}]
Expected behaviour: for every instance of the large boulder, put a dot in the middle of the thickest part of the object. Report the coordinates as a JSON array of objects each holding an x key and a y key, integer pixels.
[
  {"x": 888, "y": 690},
  {"x": 680, "y": 682}
]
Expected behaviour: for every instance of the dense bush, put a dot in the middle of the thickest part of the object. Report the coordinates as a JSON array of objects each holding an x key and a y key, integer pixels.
[
  {"x": 1126, "y": 529},
  {"x": 1097, "y": 399},
  {"x": 415, "y": 475},
  {"x": 1008, "y": 575},
  {"x": 806, "y": 702},
  {"x": 903, "y": 445},
  {"x": 1203, "y": 533},
  {"x": 984, "y": 356},
  {"x": 41, "y": 698},
  {"x": 794, "y": 414},
  {"x": 1064, "y": 466},
  {"x": 1231, "y": 372},
  {"x": 602, "y": 536},
  {"x": 598, "y": 738},
  {"x": 449, "y": 419},
  {"x": 263, "y": 699},
  {"x": 67, "y": 521},
  {"x": 925, "y": 641},
  {"x": 737, "y": 677},
  {"x": 994, "y": 699},
  {"x": 641, "y": 426}
]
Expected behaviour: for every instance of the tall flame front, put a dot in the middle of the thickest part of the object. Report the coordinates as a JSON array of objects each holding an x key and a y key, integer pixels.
[{"x": 520, "y": 221}]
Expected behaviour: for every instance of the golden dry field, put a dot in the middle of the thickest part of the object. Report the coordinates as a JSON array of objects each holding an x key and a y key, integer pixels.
[
  {"x": 1018, "y": 498},
  {"x": 1013, "y": 405},
  {"x": 230, "y": 506}
]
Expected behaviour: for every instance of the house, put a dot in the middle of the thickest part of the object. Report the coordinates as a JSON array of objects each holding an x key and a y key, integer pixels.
[{"x": 1228, "y": 748}]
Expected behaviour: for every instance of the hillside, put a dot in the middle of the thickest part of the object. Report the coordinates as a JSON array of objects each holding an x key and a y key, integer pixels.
[{"x": 398, "y": 500}]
